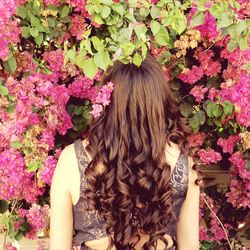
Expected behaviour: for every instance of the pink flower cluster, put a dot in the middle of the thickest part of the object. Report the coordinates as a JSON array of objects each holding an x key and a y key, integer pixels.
[
  {"x": 208, "y": 65},
  {"x": 228, "y": 144},
  {"x": 239, "y": 194},
  {"x": 48, "y": 169},
  {"x": 198, "y": 92},
  {"x": 9, "y": 31},
  {"x": 82, "y": 87},
  {"x": 102, "y": 99},
  {"x": 79, "y": 5},
  {"x": 15, "y": 181},
  {"x": 191, "y": 76},
  {"x": 9, "y": 246},
  {"x": 239, "y": 95},
  {"x": 209, "y": 29},
  {"x": 54, "y": 60},
  {"x": 209, "y": 156},
  {"x": 78, "y": 27},
  {"x": 240, "y": 164},
  {"x": 213, "y": 93},
  {"x": 196, "y": 139},
  {"x": 54, "y": 2},
  {"x": 37, "y": 217}
]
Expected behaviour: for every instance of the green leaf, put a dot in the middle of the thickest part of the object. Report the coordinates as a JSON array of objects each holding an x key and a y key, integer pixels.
[
  {"x": 144, "y": 12},
  {"x": 209, "y": 108},
  {"x": 202, "y": 117},
  {"x": 186, "y": 109},
  {"x": 102, "y": 59},
  {"x": 215, "y": 11},
  {"x": 4, "y": 205},
  {"x": 71, "y": 54},
  {"x": 25, "y": 32},
  {"x": 89, "y": 68},
  {"x": 79, "y": 59},
  {"x": 137, "y": 59},
  {"x": 4, "y": 90},
  {"x": 179, "y": 22},
  {"x": 18, "y": 236},
  {"x": 248, "y": 165},
  {"x": 10, "y": 65},
  {"x": 155, "y": 26},
  {"x": 243, "y": 43},
  {"x": 232, "y": 45},
  {"x": 197, "y": 19},
  {"x": 217, "y": 110},
  {"x": 105, "y": 12},
  {"x": 97, "y": 18},
  {"x": 51, "y": 22},
  {"x": 224, "y": 21},
  {"x": 228, "y": 107},
  {"x": 132, "y": 3},
  {"x": 194, "y": 122},
  {"x": 34, "y": 166},
  {"x": 107, "y": 2},
  {"x": 118, "y": 9},
  {"x": 162, "y": 37},
  {"x": 64, "y": 11},
  {"x": 155, "y": 12},
  {"x": 16, "y": 144},
  {"x": 39, "y": 39},
  {"x": 34, "y": 21},
  {"x": 140, "y": 31},
  {"x": 22, "y": 12},
  {"x": 97, "y": 43},
  {"x": 127, "y": 49},
  {"x": 34, "y": 32}
]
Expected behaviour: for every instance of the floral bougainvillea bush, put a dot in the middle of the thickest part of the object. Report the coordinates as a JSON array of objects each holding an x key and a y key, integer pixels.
[{"x": 52, "y": 57}]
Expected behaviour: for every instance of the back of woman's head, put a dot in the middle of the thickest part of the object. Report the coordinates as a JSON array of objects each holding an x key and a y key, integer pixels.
[{"x": 129, "y": 138}]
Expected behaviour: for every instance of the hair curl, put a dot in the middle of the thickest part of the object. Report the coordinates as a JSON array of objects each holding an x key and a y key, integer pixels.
[{"x": 133, "y": 193}]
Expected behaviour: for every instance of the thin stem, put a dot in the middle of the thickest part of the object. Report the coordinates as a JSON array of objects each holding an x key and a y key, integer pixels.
[{"x": 224, "y": 229}]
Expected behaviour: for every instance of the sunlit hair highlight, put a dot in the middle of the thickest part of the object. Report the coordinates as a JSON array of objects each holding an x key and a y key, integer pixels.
[{"x": 129, "y": 138}]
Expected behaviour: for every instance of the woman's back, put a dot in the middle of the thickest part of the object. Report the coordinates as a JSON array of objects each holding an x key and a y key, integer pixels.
[
  {"x": 90, "y": 232},
  {"x": 131, "y": 179}
]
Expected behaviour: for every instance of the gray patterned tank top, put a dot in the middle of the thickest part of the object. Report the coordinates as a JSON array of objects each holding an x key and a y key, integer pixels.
[{"x": 88, "y": 227}]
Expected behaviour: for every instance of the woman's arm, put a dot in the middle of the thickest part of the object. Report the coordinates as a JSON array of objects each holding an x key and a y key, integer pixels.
[
  {"x": 61, "y": 218},
  {"x": 188, "y": 225}
]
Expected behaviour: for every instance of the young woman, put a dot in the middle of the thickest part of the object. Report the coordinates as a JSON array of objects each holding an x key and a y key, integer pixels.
[{"x": 129, "y": 184}]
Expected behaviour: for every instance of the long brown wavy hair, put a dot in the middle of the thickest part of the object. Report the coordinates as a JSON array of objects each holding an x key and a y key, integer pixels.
[{"x": 129, "y": 138}]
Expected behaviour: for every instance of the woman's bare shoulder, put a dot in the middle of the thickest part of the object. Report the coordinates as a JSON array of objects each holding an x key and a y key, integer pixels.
[{"x": 66, "y": 168}]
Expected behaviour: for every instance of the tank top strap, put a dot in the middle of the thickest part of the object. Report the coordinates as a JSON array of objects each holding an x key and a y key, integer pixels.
[{"x": 82, "y": 159}]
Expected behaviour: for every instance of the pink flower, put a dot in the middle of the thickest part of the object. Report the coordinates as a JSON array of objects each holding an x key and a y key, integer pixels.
[
  {"x": 240, "y": 164},
  {"x": 97, "y": 109},
  {"x": 78, "y": 27},
  {"x": 192, "y": 75},
  {"x": 9, "y": 246},
  {"x": 208, "y": 29},
  {"x": 213, "y": 93},
  {"x": 48, "y": 169},
  {"x": 196, "y": 139},
  {"x": 209, "y": 156},
  {"x": 228, "y": 144},
  {"x": 198, "y": 92},
  {"x": 37, "y": 217},
  {"x": 238, "y": 195},
  {"x": 104, "y": 94},
  {"x": 82, "y": 87}
]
